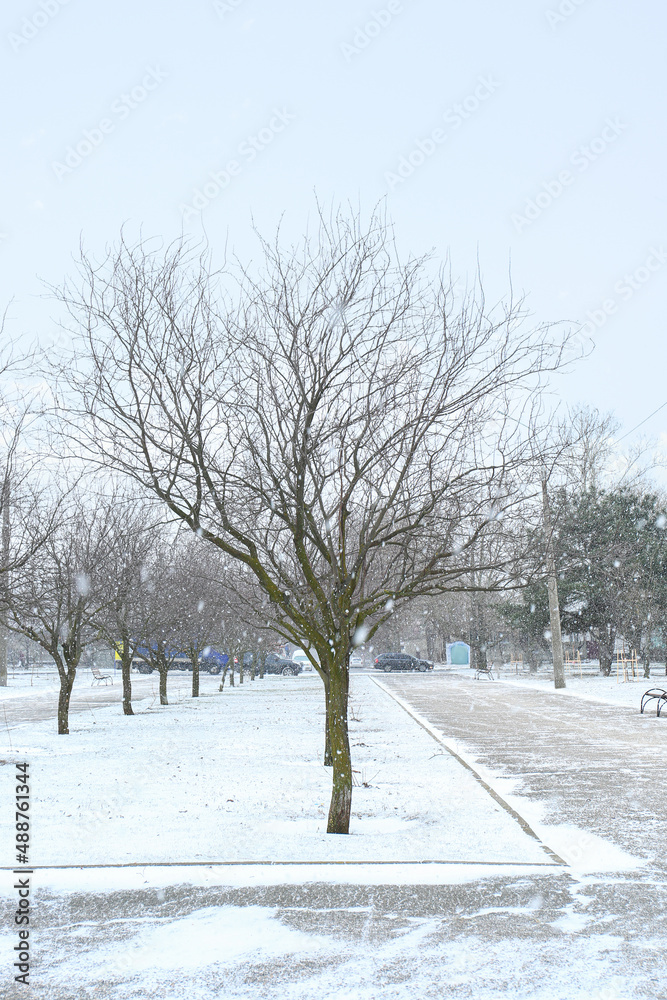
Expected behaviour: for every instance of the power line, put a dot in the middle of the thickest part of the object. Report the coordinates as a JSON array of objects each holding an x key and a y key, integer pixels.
[{"x": 642, "y": 422}]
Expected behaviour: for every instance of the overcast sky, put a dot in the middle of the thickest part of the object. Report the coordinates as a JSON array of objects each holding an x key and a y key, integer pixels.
[{"x": 530, "y": 134}]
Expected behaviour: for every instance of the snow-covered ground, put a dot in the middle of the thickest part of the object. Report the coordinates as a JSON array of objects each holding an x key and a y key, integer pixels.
[
  {"x": 24, "y": 683},
  {"x": 237, "y": 776},
  {"x": 43, "y": 680},
  {"x": 591, "y": 685},
  {"x": 607, "y": 690},
  {"x": 232, "y": 888}
]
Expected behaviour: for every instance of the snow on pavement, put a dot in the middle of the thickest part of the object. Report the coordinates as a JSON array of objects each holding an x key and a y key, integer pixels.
[
  {"x": 237, "y": 777},
  {"x": 502, "y": 937},
  {"x": 583, "y": 775}
]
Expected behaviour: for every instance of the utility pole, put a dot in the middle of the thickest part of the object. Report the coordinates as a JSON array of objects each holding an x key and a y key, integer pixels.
[
  {"x": 4, "y": 582},
  {"x": 552, "y": 587}
]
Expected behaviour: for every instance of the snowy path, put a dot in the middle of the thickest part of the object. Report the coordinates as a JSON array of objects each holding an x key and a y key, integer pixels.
[
  {"x": 595, "y": 931},
  {"x": 484, "y": 939},
  {"x": 21, "y": 704},
  {"x": 564, "y": 762}
]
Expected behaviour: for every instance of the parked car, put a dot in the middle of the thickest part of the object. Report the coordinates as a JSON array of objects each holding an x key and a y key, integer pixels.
[
  {"x": 141, "y": 659},
  {"x": 428, "y": 663},
  {"x": 400, "y": 661},
  {"x": 274, "y": 664},
  {"x": 300, "y": 656},
  {"x": 210, "y": 659},
  {"x": 356, "y": 660}
]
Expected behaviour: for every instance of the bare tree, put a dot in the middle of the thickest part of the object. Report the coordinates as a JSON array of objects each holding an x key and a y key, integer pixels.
[
  {"x": 134, "y": 532},
  {"x": 57, "y": 598},
  {"x": 26, "y": 519},
  {"x": 244, "y": 629},
  {"x": 589, "y": 447},
  {"x": 158, "y": 610},
  {"x": 344, "y": 424},
  {"x": 200, "y": 599}
]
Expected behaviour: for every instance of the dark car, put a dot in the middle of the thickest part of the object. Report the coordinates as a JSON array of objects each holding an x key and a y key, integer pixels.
[
  {"x": 400, "y": 661},
  {"x": 427, "y": 663},
  {"x": 274, "y": 664}
]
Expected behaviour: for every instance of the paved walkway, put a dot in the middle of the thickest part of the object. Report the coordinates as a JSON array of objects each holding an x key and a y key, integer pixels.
[{"x": 598, "y": 767}]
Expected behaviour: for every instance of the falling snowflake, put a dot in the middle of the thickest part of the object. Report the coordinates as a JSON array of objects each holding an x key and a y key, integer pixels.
[{"x": 360, "y": 635}]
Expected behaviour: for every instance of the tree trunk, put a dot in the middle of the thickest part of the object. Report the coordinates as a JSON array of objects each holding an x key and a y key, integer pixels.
[
  {"x": 241, "y": 668},
  {"x": 222, "y": 679},
  {"x": 195, "y": 676},
  {"x": 479, "y": 659},
  {"x": 606, "y": 654},
  {"x": 647, "y": 666},
  {"x": 231, "y": 673},
  {"x": 328, "y": 756},
  {"x": 3, "y": 649},
  {"x": 125, "y": 671},
  {"x": 552, "y": 587},
  {"x": 163, "y": 685},
  {"x": 66, "y": 684},
  {"x": 341, "y": 792}
]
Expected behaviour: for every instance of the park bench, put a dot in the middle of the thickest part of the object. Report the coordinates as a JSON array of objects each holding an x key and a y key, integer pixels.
[
  {"x": 484, "y": 672},
  {"x": 659, "y": 694},
  {"x": 98, "y": 676}
]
